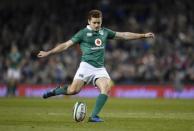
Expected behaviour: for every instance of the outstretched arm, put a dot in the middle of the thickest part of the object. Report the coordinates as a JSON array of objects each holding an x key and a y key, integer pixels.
[
  {"x": 59, "y": 48},
  {"x": 131, "y": 36}
]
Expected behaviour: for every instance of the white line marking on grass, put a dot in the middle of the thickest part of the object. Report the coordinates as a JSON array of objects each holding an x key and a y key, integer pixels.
[
  {"x": 55, "y": 114},
  {"x": 152, "y": 115}
]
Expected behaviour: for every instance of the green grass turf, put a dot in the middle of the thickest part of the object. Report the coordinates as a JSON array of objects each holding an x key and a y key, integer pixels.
[{"x": 55, "y": 114}]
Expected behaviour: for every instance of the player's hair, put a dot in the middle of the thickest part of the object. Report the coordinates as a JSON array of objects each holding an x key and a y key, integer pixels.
[{"x": 94, "y": 14}]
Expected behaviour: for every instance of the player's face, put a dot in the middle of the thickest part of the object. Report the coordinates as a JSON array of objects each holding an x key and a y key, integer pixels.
[{"x": 95, "y": 23}]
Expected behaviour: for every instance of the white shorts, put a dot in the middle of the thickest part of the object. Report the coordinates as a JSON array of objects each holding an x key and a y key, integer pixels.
[
  {"x": 14, "y": 74},
  {"x": 89, "y": 73}
]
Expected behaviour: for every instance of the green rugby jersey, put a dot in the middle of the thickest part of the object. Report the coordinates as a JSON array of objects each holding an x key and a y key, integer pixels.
[{"x": 92, "y": 44}]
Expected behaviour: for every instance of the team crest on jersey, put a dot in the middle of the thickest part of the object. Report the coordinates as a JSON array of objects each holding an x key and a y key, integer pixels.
[{"x": 98, "y": 42}]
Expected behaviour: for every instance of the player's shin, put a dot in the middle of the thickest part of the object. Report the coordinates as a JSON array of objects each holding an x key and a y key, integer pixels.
[
  {"x": 100, "y": 101},
  {"x": 61, "y": 90},
  {"x": 57, "y": 91}
]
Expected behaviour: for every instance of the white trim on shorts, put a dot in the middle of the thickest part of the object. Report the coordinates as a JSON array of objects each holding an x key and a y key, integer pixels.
[{"x": 89, "y": 73}]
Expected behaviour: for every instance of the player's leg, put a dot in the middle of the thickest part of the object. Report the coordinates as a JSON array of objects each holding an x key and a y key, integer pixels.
[
  {"x": 104, "y": 84},
  {"x": 79, "y": 80},
  {"x": 75, "y": 87},
  {"x": 72, "y": 89}
]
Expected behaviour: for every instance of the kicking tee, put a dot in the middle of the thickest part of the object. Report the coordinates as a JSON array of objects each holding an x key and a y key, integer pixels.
[{"x": 92, "y": 44}]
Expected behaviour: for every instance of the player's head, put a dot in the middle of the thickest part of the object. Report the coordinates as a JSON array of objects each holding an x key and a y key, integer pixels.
[{"x": 95, "y": 19}]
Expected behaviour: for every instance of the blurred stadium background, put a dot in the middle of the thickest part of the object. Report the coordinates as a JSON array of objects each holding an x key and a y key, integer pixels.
[
  {"x": 159, "y": 68},
  {"x": 163, "y": 67}
]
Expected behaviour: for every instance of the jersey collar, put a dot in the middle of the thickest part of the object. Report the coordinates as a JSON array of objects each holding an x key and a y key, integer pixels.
[{"x": 89, "y": 28}]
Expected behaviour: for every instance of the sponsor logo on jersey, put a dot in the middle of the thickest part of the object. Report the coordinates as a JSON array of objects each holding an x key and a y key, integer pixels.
[
  {"x": 97, "y": 48},
  {"x": 98, "y": 42}
]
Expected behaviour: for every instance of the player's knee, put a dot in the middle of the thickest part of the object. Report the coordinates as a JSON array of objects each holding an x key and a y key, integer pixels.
[{"x": 106, "y": 88}]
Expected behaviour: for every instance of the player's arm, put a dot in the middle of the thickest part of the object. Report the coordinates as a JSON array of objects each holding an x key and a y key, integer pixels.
[
  {"x": 131, "y": 36},
  {"x": 59, "y": 48}
]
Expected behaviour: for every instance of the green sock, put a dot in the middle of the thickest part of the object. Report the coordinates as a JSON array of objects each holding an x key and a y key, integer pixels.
[
  {"x": 100, "y": 101},
  {"x": 61, "y": 90}
]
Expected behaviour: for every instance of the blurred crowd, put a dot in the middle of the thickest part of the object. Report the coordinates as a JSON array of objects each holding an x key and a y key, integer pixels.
[{"x": 29, "y": 26}]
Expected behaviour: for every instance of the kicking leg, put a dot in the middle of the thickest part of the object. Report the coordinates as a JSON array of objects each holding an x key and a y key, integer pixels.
[
  {"x": 104, "y": 86},
  {"x": 72, "y": 89}
]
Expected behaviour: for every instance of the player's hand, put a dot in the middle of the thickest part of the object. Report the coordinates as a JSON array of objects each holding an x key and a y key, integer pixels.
[
  {"x": 42, "y": 54},
  {"x": 149, "y": 35}
]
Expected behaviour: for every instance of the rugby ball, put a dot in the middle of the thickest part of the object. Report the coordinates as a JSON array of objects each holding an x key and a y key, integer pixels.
[{"x": 79, "y": 111}]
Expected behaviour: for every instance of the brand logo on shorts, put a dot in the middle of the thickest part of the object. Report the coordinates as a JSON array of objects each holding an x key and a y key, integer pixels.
[
  {"x": 81, "y": 75},
  {"x": 98, "y": 42}
]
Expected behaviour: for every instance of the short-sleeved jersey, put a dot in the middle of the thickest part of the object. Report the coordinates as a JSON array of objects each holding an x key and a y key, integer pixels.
[{"x": 92, "y": 44}]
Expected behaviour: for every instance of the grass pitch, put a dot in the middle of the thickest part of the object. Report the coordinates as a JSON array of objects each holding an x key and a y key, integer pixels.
[{"x": 55, "y": 114}]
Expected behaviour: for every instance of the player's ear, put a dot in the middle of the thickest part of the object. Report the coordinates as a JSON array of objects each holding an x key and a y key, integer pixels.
[{"x": 89, "y": 21}]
